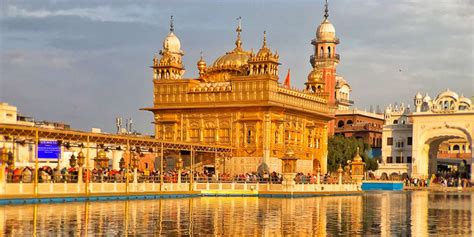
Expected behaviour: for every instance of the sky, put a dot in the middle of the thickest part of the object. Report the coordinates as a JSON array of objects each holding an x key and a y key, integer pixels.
[{"x": 87, "y": 62}]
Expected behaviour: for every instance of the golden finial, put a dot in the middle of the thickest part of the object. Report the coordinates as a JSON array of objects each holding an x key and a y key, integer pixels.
[
  {"x": 264, "y": 39},
  {"x": 326, "y": 10},
  {"x": 171, "y": 24},
  {"x": 357, "y": 157},
  {"x": 238, "y": 42}
]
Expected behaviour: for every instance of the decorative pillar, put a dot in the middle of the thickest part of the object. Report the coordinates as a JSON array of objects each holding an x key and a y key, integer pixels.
[
  {"x": 4, "y": 157},
  {"x": 191, "y": 181},
  {"x": 266, "y": 136},
  {"x": 161, "y": 166},
  {"x": 324, "y": 159},
  {"x": 179, "y": 166},
  {"x": 318, "y": 178}
]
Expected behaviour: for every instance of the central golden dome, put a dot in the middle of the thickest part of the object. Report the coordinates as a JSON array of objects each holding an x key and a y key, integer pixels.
[{"x": 235, "y": 58}]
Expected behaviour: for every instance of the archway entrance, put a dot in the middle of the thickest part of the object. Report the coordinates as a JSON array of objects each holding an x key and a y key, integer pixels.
[
  {"x": 436, "y": 151},
  {"x": 445, "y": 158}
]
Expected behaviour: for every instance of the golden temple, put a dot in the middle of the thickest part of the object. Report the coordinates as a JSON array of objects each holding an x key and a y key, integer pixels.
[{"x": 238, "y": 101}]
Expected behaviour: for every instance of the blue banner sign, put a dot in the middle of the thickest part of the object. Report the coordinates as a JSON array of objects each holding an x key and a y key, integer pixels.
[{"x": 49, "y": 150}]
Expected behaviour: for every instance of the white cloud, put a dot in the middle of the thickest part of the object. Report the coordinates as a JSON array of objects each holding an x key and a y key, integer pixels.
[
  {"x": 37, "y": 59},
  {"x": 100, "y": 13}
]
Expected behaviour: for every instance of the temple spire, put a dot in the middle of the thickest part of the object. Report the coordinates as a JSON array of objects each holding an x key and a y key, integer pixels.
[
  {"x": 326, "y": 10},
  {"x": 171, "y": 24}
]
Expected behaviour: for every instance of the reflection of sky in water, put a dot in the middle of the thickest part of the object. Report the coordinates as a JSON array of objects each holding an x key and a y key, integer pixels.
[{"x": 387, "y": 213}]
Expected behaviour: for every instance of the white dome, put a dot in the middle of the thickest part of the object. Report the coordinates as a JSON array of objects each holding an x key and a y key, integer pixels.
[
  {"x": 172, "y": 43},
  {"x": 465, "y": 100},
  {"x": 326, "y": 31},
  {"x": 448, "y": 93},
  {"x": 418, "y": 96},
  {"x": 427, "y": 98}
]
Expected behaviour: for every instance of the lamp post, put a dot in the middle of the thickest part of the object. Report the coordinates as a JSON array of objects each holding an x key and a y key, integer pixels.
[
  {"x": 72, "y": 161},
  {"x": 179, "y": 167},
  {"x": 134, "y": 164},
  {"x": 80, "y": 163}
]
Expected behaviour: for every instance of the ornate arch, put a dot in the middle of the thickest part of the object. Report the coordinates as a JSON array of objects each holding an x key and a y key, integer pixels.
[{"x": 445, "y": 130}]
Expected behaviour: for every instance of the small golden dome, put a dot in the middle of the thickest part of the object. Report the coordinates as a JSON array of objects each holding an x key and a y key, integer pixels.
[
  {"x": 201, "y": 63},
  {"x": 315, "y": 75},
  {"x": 101, "y": 154},
  {"x": 357, "y": 157},
  {"x": 264, "y": 51},
  {"x": 80, "y": 154}
]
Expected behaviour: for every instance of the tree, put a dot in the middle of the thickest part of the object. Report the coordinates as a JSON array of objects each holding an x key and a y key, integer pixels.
[{"x": 342, "y": 149}]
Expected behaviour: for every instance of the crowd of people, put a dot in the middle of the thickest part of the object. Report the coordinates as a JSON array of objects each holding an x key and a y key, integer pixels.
[
  {"x": 48, "y": 174},
  {"x": 446, "y": 179}
]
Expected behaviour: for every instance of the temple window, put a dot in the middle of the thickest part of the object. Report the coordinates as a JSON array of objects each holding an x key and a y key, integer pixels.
[
  {"x": 249, "y": 136},
  {"x": 168, "y": 132},
  {"x": 209, "y": 135},
  {"x": 194, "y": 135},
  {"x": 224, "y": 135}
]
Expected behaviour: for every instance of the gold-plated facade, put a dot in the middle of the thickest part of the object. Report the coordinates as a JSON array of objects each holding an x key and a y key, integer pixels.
[{"x": 238, "y": 102}]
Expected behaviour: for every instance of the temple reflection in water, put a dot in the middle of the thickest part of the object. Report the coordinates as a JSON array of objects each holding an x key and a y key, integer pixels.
[{"x": 415, "y": 213}]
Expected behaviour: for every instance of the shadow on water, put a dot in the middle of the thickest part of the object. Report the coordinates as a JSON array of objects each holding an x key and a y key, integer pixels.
[{"x": 417, "y": 213}]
